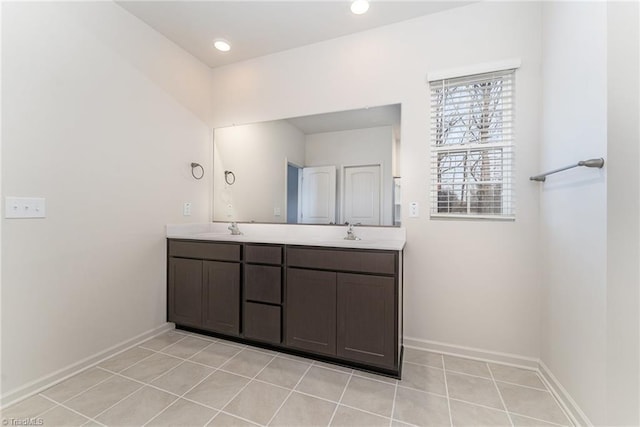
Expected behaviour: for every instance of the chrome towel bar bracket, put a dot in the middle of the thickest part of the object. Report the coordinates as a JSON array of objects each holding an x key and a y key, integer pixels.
[{"x": 591, "y": 163}]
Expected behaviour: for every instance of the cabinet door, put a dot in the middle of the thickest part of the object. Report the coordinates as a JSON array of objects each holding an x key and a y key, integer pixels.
[
  {"x": 366, "y": 319},
  {"x": 185, "y": 291},
  {"x": 221, "y": 297},
  {"x": 311, "y": 310}
]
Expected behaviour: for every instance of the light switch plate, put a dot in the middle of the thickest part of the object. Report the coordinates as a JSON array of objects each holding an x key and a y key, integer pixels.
[
  {"x": 414, "y": 210},
  {"x": 186, "y": 209},
  {"x": 24, "y": 207}
]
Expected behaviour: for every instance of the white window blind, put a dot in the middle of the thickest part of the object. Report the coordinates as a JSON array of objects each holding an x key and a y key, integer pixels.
[{"x": 472, "y": 151}]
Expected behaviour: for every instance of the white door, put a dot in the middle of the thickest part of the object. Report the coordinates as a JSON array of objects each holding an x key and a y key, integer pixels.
[
  {"x": 362, "y": 194},
  {"x": 318, "y": 195}
]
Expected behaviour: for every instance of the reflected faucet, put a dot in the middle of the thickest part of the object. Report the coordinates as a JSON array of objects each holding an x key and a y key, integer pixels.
[
  {"x": 235, "y": 231},
  {"x": 350, "y": 234}
]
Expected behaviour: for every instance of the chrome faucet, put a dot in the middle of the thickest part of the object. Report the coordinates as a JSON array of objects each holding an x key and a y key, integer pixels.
[
  {"x": 235, "y": 231},
  {"x": 350, "y": 234}
]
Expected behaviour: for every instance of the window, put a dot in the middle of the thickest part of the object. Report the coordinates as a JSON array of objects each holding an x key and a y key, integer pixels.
[{"x": 472, "y": 138}]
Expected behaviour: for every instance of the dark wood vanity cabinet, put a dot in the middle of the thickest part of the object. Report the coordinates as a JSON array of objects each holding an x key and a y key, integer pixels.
[
  {"x": 366, "y": 323},
  {"x": 311, "y": 310},
  {"x": 262, "y": 296},
  {"x": 337, "y": 307},
  {"x": 221, "y": 292},
  {"x": 185, "y": 291},
  {"x": 341, "y": 305},
  {"x": 204, "y": 285}
]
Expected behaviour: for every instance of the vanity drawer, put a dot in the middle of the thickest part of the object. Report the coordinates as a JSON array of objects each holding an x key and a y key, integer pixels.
[
  {"x": 262, "y": 322},
  {"x": 263, "y": 283},
  {"x": 263, "y": 254},
  {"x": 377, "y": 262},
  {"x": 205, "y": 250}
]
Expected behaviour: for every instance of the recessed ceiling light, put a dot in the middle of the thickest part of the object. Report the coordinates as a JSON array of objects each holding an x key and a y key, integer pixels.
[
  {"x": 359, "y": 6},
  {"x": 222, "y": 45}
]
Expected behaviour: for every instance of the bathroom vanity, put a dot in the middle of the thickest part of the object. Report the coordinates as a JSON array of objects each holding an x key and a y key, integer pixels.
[{"x": 292, "y": 290}]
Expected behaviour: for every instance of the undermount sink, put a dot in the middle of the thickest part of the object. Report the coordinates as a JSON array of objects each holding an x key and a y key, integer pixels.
[
  {"x": 217, "y": 235},
  {"x": 342, "y": 240}
]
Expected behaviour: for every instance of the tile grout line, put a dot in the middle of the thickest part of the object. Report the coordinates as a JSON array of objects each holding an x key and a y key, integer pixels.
[
  {"x": 214, "y": 370},
  {"x": 498, "y": 381},
  {"x": 169, "y": 392},
  {"x": 423, "y": 391},
  {"x": 183, "y": 362},
  {"x": 543, "y": 388},
  {"x": 446, "y": 389},
  {"x": 329, "y": 366},
  {"x": 191, "y": 388},
  {"x": 144, "y": 384},
  {"x": 125, "y": 397},
  {"x": 466, "y": 402},
  {"x": 153, "y": 353},
  {"x": 290, "y": 393},
  {"x": 341, "y": 396},
  {"x": 245, "y": 386},
  {"x": 161, "y": 411},
  {"x": 78, "y": 394},
  {"x": 538, "y": 419},
  {"x": 359, "y": 375},
  {"x": 240, "y": 418},
  {"x": 495, "y": 384},
  {"x": 179, "y": 396},
  {"x": 89, "y": 419},
  {"x": 369, "y": 412},
  {"x": 393, "y": 405},
  {"x": 211, "y": 419}
]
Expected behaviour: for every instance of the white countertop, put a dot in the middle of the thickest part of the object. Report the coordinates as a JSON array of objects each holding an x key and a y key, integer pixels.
[{"x": 385, "y": 238}]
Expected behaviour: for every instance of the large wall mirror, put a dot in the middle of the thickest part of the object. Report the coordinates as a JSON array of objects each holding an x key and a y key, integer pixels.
[{"x": 327, "y": 168}]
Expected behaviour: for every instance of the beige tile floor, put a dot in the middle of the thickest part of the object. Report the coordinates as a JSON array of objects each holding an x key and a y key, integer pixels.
[{"x": 183, "y": 379}]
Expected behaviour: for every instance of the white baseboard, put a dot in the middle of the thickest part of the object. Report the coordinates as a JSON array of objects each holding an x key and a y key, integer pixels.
[
  {"x": 578, "y": 417},
  {"x": 47, "y": 381},
  {"x": 473, "y": 353}
]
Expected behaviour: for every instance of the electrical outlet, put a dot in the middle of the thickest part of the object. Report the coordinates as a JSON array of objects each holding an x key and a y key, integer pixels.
[
  {"x": 186, "y": 209},
  {"x": 414, "y": 210}
]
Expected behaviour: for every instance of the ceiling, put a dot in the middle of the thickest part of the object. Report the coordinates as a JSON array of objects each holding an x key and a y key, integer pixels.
[{"x": 257, "y": 28}]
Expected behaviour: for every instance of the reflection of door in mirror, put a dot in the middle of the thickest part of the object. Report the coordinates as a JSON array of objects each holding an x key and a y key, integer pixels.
[
  {"x": 294, "y": 178},
  {"x": 362, "y": 194},
  {"x": 318, "y": 195}
]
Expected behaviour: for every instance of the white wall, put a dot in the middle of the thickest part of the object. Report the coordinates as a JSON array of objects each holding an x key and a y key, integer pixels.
[
  {"x": 623, "y": 213},
  {"x": 107, "y": 139},
  {"x": 573, "y": 205},
  {"x": 467, "y": 283},
  {"x": 589, "y": 218},
  {"x": 355, "y": 147},
  {"x": 257, "y": 155}
]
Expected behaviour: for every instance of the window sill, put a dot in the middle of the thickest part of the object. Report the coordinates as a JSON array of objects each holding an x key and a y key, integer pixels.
[{"x": 510, "y": 218}]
